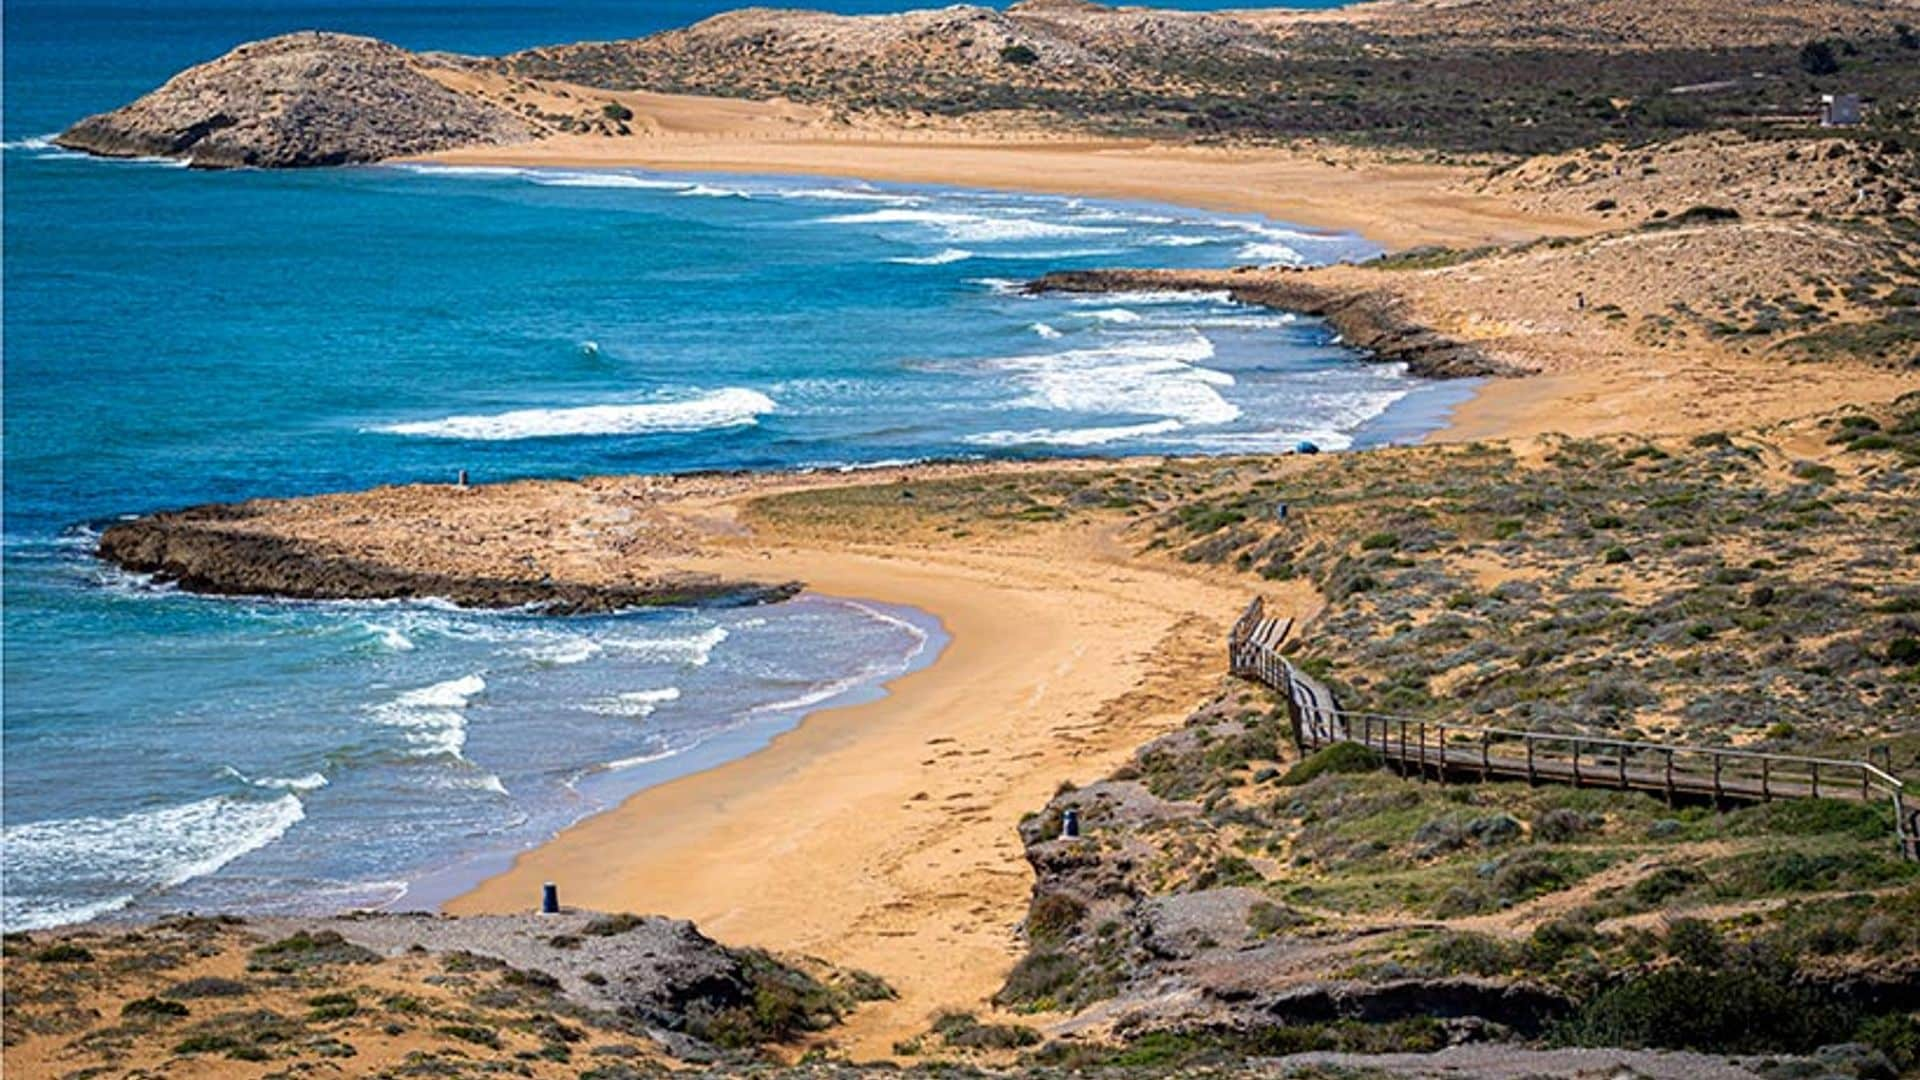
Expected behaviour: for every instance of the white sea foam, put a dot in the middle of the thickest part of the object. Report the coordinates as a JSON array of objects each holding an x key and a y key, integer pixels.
[
  {"x": 732, "y": 407},
  {"x": 999, "y": 286},
  {"x": 637, "y": 704},
  {"x": 710, "y": 191},
  {"x": 1113, "y": 315},
  {"x": 1045, "y": 331},
  {"x": 1158, "y": 296},
  {"x": 694, "y": 651},
  {"x": 496, "y": 171},
  {"x": 388, "y": 637},
  {"x": 1089, "y": 436},
  {"x": 35, "y": 142},
  {"x": 563, "y": 653},
  {"x": 867, "y": 195},
  {"x": 310, "y": 782},
  {"x": 131, "y": 855},
  {"x": 918, "y": 635},
  {"x": 626, "y": 181},
  {"x": 1153, "y": 374},
  {"x": 641, "y": 759},
  {"x": 433, "y": 718},
  {"x": 939, "y": 258},
  {"x": 1271, "y": 253},
  {"x": 1175, "y": 240},
  {"x": 960, "y": 227}
]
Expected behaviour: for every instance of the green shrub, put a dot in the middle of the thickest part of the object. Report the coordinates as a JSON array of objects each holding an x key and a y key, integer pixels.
[
  {"x": 1466, "y": 953},
  {"x": 1052, "y": 918},
  {"x": 1021, "y": 55},
  {"x": 207, "y": 986},
  {"x": 1695, "y": 942},
  {"x": 1341, "y": 757},
  {"x": 1039, "y": 975},
  {"x": 1719, "y": 1011},
  {"x": 158, "y": 1008},
  {"x": 471, "y": 1033},
  {"x": 303, "y": 950},
  {"x": 65, "y": 952},
  {"x": 1896, "y": 1036}
]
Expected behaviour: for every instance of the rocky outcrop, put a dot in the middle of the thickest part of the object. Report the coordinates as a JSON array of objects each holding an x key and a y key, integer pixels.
[
  {"x": 211, "y": 550},
  {"x": 299, "y": 100},
  {"x": 1371, "y": 319},
  {"x": 662, "y": 974}
]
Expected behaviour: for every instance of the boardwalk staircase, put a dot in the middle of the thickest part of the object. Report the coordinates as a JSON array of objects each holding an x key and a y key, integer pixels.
[{"x": 1445, "y": 751}]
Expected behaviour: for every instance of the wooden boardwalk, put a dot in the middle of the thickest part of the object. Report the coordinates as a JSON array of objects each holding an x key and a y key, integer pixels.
[{"x": 1445, "y": 751}]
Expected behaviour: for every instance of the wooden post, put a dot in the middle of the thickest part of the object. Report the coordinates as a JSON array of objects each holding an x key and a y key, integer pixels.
[
  {"x": 1669, "y": 777},
  {"x": 1816, "y": 779},
  {"x": 1423, "y": 749},
  {"x": 1403, "y": 748},
  {"x": 1484, "y": 762},
  {"x": 1623, "y": 768},
  {"x": 1716, "y": 781},
  {"x": 1441, "y": 772},
  {"x": 1576, "y": 762},
  {"x": 1531, "y": 779},
  {"x": 1766, "y": 779}
]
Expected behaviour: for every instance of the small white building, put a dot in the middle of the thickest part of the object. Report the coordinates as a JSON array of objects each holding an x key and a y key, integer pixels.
[{"x": 1839, "y": 110}]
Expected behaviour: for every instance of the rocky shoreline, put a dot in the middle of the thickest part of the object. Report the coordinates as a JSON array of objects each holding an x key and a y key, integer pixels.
[
  {"x": 210, "y": 550},
  {"x": 1368, "y": 319}
]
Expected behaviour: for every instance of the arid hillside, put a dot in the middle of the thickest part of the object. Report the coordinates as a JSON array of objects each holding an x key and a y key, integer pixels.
[{"x": 1491, "y": 78}]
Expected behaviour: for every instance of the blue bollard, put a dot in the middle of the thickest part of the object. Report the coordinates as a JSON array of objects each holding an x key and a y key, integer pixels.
[
  {"x": 1070, "y": 824},
  {"x": 549, "y": 899}
]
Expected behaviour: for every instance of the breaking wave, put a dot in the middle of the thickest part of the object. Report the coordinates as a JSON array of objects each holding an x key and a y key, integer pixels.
[
  {"x": 123, "y": 858},
  {"x": 732, "y": 407}
]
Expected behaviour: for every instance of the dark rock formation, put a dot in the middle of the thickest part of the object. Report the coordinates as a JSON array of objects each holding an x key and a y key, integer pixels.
[
  {"x": 300, "y": 99},
  {"x": 1368, "y": 319},
  {"x": 205, "y": 550}
]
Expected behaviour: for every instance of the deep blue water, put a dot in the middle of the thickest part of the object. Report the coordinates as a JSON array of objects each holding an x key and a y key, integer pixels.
[{"x": 176, "y": 337}]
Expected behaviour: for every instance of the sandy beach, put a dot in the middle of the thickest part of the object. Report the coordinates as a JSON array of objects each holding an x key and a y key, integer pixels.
[
  {"x": 882, "y": 836},
  {"x": 1394, "y": 202}
]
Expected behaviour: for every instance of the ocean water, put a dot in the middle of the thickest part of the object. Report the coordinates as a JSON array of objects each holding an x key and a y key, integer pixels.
[{"x": 176, "y": 337}]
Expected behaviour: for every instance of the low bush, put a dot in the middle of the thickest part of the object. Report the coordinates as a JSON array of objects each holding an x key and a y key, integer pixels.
[{"x": 1341, "y": 757}]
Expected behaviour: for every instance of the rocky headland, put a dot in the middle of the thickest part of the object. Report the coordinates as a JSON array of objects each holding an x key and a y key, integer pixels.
[
  {"x": 301, "y": 100},
  {"x": 335, "y": 548}
]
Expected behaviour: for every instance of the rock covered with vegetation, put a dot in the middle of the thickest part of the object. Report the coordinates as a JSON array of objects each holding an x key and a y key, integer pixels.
[{"x": 567, "y": 995}]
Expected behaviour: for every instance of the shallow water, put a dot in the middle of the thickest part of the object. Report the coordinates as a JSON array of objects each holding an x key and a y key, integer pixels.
[{"x": 174, "y": 338}]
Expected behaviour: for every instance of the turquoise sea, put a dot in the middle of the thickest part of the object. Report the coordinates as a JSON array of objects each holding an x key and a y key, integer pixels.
[{"x": 175, "y": 337}]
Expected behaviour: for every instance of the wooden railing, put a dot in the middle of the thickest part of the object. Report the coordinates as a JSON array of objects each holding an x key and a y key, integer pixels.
[{"x": 1444, "y": 750}]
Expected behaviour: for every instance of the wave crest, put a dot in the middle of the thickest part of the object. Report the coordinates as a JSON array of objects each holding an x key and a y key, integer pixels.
[{"x": 731, "y": 407}]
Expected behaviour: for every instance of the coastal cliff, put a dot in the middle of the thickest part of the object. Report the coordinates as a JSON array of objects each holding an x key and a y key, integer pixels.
[{"x": 300, "y": 100}]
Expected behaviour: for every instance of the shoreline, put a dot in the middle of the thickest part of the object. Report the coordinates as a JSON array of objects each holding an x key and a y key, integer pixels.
[
  {"x": 881, "y": 835},
  {"x": 1394, "y": 204},
  {"x": 433, "y": 891}
]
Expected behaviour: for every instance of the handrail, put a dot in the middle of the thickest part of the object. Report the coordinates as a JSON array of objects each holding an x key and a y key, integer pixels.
[
  {"x": 1629, "y": 744},
  {"x": 1317, "y": 719}
]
